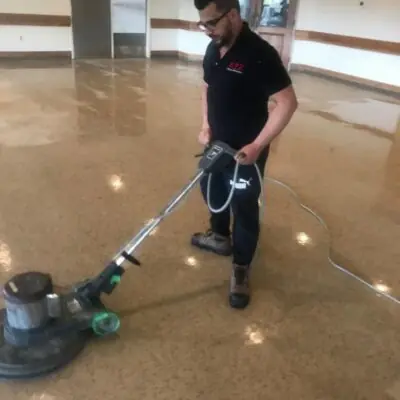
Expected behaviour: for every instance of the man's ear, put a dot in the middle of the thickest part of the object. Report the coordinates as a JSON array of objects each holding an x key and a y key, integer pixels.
[{"x": 234, "y": 13}]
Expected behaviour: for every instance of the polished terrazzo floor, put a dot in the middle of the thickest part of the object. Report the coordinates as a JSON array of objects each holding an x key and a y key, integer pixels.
[{"x": 89, "y": 153}]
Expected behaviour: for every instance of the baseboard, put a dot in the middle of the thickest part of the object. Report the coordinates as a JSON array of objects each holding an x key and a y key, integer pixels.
[
  {"x": 164, "y": 54},
  {"x": 34, "y": 55},
  {"x": 345, "y": 78},
  {"x": 190, "y": 57},
  {"x": 177, "y": 55}
]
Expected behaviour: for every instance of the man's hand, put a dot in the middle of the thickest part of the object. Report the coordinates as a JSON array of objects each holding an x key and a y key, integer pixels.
[
  {"x": 204, "y": 136},
  {"x": 249, "y": 154}
]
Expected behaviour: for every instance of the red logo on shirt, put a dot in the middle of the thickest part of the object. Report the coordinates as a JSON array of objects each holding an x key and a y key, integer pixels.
[{"x": 236, "y": 67}]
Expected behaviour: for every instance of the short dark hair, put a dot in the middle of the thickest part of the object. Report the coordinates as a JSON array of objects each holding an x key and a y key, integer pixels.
[{"x": 222, "y": 5}]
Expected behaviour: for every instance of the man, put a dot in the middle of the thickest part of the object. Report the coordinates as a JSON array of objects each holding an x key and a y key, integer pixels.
[{"x": 241, "y": 72}]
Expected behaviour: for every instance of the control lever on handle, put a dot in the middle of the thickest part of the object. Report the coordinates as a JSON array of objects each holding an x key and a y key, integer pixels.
[
  {"x": 206, "y": 148},
  {"x": 225, "y": 148},
  {"x": 199, "y": 154}
]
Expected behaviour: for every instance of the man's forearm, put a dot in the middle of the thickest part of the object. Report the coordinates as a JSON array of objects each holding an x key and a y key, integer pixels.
[
  {"x": 278, "y": 119},
  {"x": 204, "y": 105}
]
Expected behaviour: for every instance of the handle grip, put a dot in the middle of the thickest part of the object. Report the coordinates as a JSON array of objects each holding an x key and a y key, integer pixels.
[{"x": 225, "y": 147}]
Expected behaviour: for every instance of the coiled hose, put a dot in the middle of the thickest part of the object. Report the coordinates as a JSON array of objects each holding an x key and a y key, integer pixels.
[{"x": 304, "y": 207}]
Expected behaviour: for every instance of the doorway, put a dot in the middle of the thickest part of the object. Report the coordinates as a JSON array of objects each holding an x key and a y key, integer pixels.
[
  {"x": 274, "y": 21},
  {"x": 129, "y": 26}
]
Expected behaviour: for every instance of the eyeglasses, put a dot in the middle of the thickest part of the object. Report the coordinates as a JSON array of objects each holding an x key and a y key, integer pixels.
[{"x": 212, "y": 23}]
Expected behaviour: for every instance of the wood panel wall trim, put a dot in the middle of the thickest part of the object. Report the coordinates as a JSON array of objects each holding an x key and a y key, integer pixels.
[
  {"x": 164, "y": 23},
  {"x": 34, "y": 20},
  {"x": 380, "y": 46},
  {"x": 338, "y": 76}
]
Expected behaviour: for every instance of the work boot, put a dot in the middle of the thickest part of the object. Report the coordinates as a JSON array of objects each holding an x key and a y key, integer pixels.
[
  {"x": 239, "y": 296},
  {"x": 213, "y": 242}
]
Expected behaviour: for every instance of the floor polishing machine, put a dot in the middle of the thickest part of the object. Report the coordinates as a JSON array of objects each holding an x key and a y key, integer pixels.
[{"x": 43, "y": 329}]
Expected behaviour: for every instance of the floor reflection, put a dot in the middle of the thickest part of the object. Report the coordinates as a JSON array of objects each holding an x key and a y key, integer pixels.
[
  {"x": 254, "y": 335},
  {"x": 374, "y": 116},
  {"x": 5, "y": 257},
  {"x": 392, "y": 180},
  {"x": 114, "y": 101}
]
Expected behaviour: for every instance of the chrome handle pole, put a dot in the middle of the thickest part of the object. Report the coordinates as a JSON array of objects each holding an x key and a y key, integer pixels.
[{"x": 135, "y": 242}]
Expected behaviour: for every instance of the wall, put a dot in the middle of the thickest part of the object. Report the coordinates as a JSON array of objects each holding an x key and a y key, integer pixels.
[
  {"x": 45, "y": 7},
  {"x": 191, "y": 42},
  {"x": 163, "y": 39},
  {"x": 182, "y": 40},
  {"x": 17, "y": 36},
  {"x": 377, "y": 19}
]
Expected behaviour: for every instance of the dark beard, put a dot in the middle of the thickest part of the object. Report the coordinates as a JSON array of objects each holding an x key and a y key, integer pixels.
[
  {"x": 219, "y": 42},
  {"x": 223, "y": 41}
]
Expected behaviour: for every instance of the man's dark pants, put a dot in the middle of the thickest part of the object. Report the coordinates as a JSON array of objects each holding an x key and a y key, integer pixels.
[{"x": 244, "y": 207}]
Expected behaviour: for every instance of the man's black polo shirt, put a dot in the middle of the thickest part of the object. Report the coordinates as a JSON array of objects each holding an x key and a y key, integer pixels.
[{"x": 239, "y": 85}]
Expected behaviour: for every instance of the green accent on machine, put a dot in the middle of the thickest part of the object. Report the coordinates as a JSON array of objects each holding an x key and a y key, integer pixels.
[
  {"x": 105, "y": 323},
  {"x": 115, "y": 279}
]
